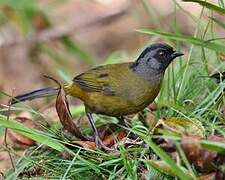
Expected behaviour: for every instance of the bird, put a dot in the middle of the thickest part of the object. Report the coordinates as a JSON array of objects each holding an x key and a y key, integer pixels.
[{"x": 118, "y": 89}]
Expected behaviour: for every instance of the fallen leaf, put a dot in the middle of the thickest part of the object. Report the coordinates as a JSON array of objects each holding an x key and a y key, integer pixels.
[
  {"x": 108, "y": 140},
  {"x": 163, "y": 167},
  {"x": 34, "y": 171},
  {"x": 62, "y": 108},
  {"x": 111, "y": 139},
  {"x": 24, "y": 114},
  {"x": 220, "y": 175},
  {"x": 168, "y": 146},
  {"x": 128, "y": 142},
  {"x": 28, "y": 122},
  {"x": 222, "y": 56},
  {"x": 152, "y": 106},
  {"x": 147, "y": 119},
  {"x": 196, "y": 154},
  {"x": 107, "y": 130},
  {"x": 66, "y": 155},
  {"x": 150, "y": 120},
  {"x": 213, "y": 139},
  {"x": 216, "y": 138},
  {"x": 19, "y": 140},
  {"x": 179, "y": 126},
  {"x": 211, "y": 176},
  {"x": 16, "y": 139},
  {"x": 85, "y": 144}
]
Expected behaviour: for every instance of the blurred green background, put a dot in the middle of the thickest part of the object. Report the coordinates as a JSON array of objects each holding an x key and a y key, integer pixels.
[{"x": 64, "y": 38}]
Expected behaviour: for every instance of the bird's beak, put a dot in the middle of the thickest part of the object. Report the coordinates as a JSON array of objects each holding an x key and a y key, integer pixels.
[{"x": 177, "y": 54}]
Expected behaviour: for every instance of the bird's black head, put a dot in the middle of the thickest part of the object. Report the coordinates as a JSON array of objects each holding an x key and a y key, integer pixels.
[{"x": 157, "y": 57}]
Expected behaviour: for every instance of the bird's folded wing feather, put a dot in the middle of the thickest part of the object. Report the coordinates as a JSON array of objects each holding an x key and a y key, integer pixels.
[{"x": 104, "y": 79}]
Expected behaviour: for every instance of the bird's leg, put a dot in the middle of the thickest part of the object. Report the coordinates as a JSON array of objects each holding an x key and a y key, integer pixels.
[
  {"x": 142, "y": 119},
  {"x": 98, "y": 140}
]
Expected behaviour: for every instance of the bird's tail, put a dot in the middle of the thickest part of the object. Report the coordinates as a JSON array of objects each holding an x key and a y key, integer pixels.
[{"x": 36, "y": 94}]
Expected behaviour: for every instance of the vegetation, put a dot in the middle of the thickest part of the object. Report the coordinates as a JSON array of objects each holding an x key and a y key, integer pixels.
[{"x": 190, "y": 101}]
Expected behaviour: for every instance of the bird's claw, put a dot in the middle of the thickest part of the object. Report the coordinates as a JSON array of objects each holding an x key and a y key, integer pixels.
[{"x": 99, "y": 144}]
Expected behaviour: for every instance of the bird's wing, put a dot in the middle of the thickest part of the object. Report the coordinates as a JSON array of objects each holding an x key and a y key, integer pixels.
[{"x": 104, "y": 79}]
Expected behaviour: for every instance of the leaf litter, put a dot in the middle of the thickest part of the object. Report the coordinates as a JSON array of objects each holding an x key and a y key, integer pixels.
[{"x": 209, "y": 162}]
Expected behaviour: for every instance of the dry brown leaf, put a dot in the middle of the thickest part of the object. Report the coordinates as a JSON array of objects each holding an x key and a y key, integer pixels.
[
  {"x": 179, "y": 126},
  {"x": 16, "y": 139},
  {"x": 27, "y": 122},
  {"x": 130, "y": 142},
  {"x": 222, "y": 56},
  {"x": 85, "y": 144},
  {"x": 121, "y": 135},
  {"x": 103, "y": 131},
  {"x": 19, "y": 140},
  {"x": 24, "y": 115},
  {"x": 216, "y": 138},
  {"x": 32, "y": 172},
  {"x": 220, "y": 176},
  {"x": 64, "y": 114},
  {"x": 200, "y": 157},
  {"x": 150, "y": 120},
  {"x": 168, "y": 146},
  {"x": 152, "y": 106},
  {"x": 211, "y": 176},
  {"x": 163, "y": 167},
  {"x": 67, "y": 155},
  {"x": 108, "y": 140},
  {"x": 111, "y": 139}
]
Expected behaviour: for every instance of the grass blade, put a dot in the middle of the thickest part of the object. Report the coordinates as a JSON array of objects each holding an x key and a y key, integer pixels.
[
  {"x": 165, "y": 157},
  {"x": 180, "y": 37},
  {"x": 208, "y": 5},
  {"x": 31, "y": 133},
  {"x": 213, "y": 145},
  {"x": 220, "y": 23}
]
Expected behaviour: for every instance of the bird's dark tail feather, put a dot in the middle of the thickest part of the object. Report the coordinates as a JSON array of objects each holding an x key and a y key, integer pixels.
[{"x": 36, "y": 94}]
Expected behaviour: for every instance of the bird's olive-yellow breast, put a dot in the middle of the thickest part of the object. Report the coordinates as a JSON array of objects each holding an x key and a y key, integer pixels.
[{"x": 125, "y": 88}]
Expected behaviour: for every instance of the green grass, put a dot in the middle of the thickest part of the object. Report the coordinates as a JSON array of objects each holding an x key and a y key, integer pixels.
[{"x": 186, "y": 92}]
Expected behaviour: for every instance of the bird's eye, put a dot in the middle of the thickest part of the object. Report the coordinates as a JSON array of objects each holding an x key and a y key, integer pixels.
[{"x": 161, "y": 53}]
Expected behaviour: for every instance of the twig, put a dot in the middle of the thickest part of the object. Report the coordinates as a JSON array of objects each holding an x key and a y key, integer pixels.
[{"x": 6, "y": 130}]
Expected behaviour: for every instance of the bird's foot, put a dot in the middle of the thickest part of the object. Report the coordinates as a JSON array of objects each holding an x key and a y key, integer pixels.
[{"x": 99, "y": 144}]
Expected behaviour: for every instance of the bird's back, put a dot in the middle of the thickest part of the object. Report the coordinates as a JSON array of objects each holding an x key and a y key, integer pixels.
[{"x": 114, "y": 90}]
